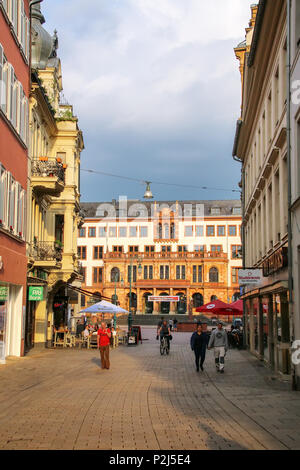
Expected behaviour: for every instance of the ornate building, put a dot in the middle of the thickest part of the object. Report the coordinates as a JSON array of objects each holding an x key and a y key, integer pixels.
[
  {"x": 54, "y": 215},
  {"x": 187, "y": 248}
]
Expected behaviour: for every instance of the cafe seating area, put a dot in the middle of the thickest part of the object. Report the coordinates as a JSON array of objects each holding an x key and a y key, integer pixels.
[{"x": 67, "y": 339}]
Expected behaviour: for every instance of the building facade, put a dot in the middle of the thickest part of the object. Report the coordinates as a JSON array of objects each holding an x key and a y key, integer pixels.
[
  {"x": 54, "y": 215},
  {"x": 14, "y": 95},
  {"x": 261, "y": 146},
  {"x": 191, "y": 249},
  {"x": 295, "y": 169}
]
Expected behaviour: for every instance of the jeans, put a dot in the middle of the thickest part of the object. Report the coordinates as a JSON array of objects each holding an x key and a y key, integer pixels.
[{"x": 199, "y": 357}]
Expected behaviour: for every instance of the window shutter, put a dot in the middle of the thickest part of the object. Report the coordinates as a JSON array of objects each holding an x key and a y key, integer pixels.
[
  {"x": 27, "y": 24},
  {"x": 2, "y": 193}
]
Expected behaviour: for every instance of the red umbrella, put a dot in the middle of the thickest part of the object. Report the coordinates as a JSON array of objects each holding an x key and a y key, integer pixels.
[
  {"x": 218, "y": 308},
  {"x": 238, "y": 304}
]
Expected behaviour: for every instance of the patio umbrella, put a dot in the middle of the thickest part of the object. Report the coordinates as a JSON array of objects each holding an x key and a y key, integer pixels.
[
  {"x": 103, "y": 307},
  {"x": 218, "y": 308},
  {"x": 238, "y": 305}
]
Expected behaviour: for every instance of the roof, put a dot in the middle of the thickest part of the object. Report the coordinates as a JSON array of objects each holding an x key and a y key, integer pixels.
[{"x": 146, "y": 208}]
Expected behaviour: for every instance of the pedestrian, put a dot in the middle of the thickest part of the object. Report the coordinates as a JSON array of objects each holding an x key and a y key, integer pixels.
[
  {"x": 171, "y": 324},
  {"x": 103, "y": 342},
  {"x": 175, "y": 324},
  {"x": 159, "y": 324},
  {"x": 199, "y": 340},
  {"x": 219, "y": 341}
]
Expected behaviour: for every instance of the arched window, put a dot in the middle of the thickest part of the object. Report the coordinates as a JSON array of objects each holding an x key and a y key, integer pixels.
[
  {"x": 213, "y": 297},
  {"x": 172, "y": 231},
  {"x": 197, "y": 300},
  {"x": 213, "y": 275},
  {"x": 159, "y": 231},
  {"x": 115, "y": 275},
  {"x": 167, "y": 231}
]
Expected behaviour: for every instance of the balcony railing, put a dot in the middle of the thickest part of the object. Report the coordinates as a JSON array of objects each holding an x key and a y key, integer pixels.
[
  {"x": 168, "y": 255},
  {"x": 48, "y": 167},
  {"x": 46, "y": 251}
]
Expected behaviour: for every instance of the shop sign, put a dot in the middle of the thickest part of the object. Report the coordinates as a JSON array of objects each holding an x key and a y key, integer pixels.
[
  {"x": 36, "y": 293},
  {"x": 277, "y": 260},
  {"x": 163, "y": 298},
  {"x": 3, "y": 293},
  {"x": 251, "y": 277}
]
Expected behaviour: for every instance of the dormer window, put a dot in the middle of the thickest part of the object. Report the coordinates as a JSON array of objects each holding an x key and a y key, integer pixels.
[{"x": 215, "y": 211}]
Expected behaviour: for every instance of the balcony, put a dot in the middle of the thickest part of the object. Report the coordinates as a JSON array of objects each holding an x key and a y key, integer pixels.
[
  {"x": 46, "y": 254},
  {"x": 188, "y": 255},
  {"x": 48, "y": 176}
]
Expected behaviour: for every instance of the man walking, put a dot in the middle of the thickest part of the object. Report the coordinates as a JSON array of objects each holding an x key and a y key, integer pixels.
[
  {"x": 199, "y": 340},
  {"x": 103, "y": 341},
  {"x": 219, "y": 341}
]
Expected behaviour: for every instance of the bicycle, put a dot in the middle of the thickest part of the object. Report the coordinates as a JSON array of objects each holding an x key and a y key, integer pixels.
[{"x": 164, "y": 346}]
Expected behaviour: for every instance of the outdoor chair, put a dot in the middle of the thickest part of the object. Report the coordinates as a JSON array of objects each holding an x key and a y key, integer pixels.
[{"x": 58, "y": 341}]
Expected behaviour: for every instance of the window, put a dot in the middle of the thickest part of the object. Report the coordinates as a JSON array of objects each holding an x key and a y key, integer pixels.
[
  {"x": 118, "y": 249},
  {"x": 82, "y": 252},
  {"x": 102, "y": 232},
  {"x": 159, "y": 231},
  {"x": 213, "y": 275},
  {"x": 115, "y": 275},
  {"x": 234, "y": 275},
  {"x": 122, "y": 232},
  {"x": 217, "y": 248},
  {"x": 112, "y": 232},
  {"x": 236, "y": 251},
  {"x": 133, "y": 271},
  {"x": 166, "y": 231},
  {"x": 182, "y": 248},
  {"x": 82, "y": 301},
  {"x": 221, "y": 230},
  {"x": 166, "y": 249},
  {"x": 133, "y": 249},
  {"x": 232, "y": 230},
  {"x": 92, "y": 232},
  {"x": 97, "y": 275},
  {"x": 164, "y": 272},
  {"x": 173, "y": 231},
  {"x": 148, "y": 272},
  {"x": 98, "y": 252},
  {"x": 144, "y": 232},
  {"x": 197, "y": 273},
  {"x": 180, "y": 272},
  {"x": 215, "y": 211},
  {"x": 236, "y": 211},
  {"x": 188, "y": 231},
  {"x": 199, "y": 231},
  {"x": 210, "y": 230},
  {"x": 81, "y": 232},
  {"x": 150, "y": 249},
  {"x": 132, "y": 232},
  {"x": 199, "y": 248}
]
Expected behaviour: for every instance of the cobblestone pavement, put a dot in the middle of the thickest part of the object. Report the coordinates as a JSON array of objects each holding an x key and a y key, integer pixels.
[{"x": 62, "y": 399}]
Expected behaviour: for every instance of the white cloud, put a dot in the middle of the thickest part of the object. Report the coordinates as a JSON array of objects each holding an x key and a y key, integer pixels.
[{"x": 151, "y": 68}]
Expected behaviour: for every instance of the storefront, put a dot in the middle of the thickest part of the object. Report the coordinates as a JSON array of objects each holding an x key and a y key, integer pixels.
[
  {"x": 267, "y": 316},
  {"x": 12, "y": 319}
]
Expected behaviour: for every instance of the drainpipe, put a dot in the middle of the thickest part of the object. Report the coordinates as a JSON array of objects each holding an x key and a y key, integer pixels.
[
  {"x": 289, "y": 168},
  {"x": 237, "y": 159}
]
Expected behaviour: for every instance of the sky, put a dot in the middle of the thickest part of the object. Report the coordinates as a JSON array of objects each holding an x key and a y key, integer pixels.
[{"x": 156, "y": 87}]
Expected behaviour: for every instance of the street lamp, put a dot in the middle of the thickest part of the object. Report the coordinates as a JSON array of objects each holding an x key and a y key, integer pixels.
[
  {"x": 130, "y": 287},
  {"x": 116, "y": 279}
]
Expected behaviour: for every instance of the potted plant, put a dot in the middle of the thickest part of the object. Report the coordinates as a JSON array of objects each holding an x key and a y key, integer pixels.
[{"x": 58, "y": 245}]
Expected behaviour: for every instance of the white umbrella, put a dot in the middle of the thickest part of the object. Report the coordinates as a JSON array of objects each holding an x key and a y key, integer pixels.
[{"x": 104, "y": 307}]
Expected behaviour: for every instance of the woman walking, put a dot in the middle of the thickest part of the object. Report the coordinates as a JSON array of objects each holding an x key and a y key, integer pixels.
[{"x": 199, "y": 342}]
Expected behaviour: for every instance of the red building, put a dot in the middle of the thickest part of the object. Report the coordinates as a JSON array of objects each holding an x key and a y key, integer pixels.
[{"x": 14, "y": 92}]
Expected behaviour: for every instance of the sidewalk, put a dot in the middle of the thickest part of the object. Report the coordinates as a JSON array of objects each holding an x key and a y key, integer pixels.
[{"x": 62, "y": 399}]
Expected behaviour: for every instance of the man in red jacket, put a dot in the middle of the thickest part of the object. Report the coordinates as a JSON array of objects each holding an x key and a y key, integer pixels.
[{"x": 103, "y": 341}]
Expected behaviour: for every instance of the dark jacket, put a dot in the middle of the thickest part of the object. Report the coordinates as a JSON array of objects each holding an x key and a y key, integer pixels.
[{"x": 199, "y": 341}]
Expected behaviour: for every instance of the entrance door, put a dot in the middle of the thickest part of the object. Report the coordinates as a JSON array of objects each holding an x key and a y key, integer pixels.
[
  {"x": 30, "y": 325},
  {"x": 164, "y": 306}
]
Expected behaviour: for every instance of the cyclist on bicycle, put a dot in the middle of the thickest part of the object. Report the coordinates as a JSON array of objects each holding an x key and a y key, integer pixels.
[{"x": 165, "y": 331}]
